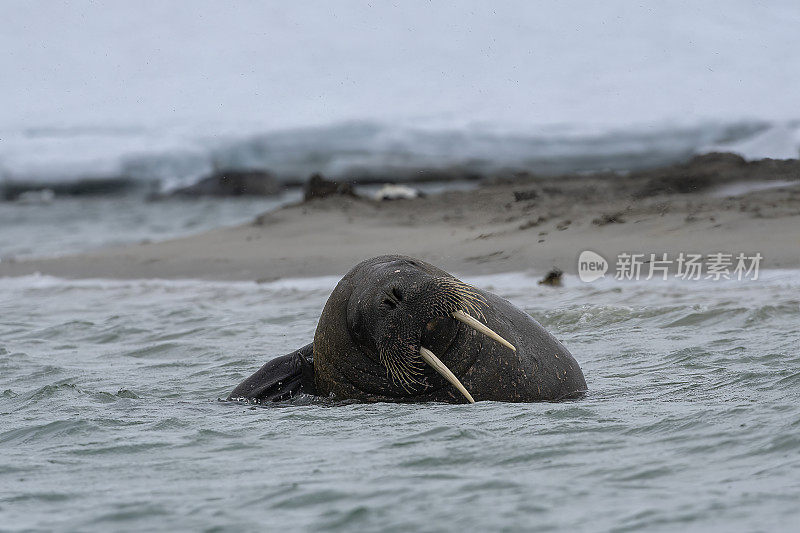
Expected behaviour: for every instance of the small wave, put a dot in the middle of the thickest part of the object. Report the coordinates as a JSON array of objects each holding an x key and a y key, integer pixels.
[
  {"x": 43, "y": 497},
  {"x": 768, "y": 313},
  {"x": 51, "y": 391},
  {"x": 46, "y": 430},
  {"x": 125, "y": 448},
  {"x": 131, "y": 512},
  {"x": 172, "y": 350},
  {"x": 52, "y": 283},
  {"x": 306, "y": 497},
  {"x": 706, "y": 317},
  {"x": 597, "y": 317},
  {"x": 65, "y": 391}
]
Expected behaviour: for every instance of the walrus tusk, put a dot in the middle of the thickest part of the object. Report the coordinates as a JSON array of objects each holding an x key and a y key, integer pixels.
[
  {"x": 429, "y": 357},
  {"x": 477, "y": 325}
]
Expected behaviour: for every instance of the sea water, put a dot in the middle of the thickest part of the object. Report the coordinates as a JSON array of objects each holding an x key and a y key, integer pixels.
[
  {"x": 75, "y": 225},
  {"x": 110, "y": 416}
]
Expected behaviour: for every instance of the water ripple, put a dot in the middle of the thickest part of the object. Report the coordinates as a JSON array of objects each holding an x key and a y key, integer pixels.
[{"x": 110, "y": 420}]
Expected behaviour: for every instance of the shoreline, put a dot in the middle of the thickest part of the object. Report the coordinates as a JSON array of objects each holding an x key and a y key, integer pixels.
[{"x": 526, "y": 224}]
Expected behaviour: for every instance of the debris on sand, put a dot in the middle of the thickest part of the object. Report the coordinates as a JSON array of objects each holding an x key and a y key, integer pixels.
[
  {"x": 319, "y": 187},
  {"x": 521, "y": 196},
  {"x": 564, "y": 224},
  {"x": 609, "y": 218},
  {"x": 532, "y": 223},
  {"x": 390, "y": 191}
]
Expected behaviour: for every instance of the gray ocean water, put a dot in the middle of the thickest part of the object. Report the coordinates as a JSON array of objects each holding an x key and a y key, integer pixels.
[
  {"x": 110, "y": 419},
  {"x": 73, "y": 225}
]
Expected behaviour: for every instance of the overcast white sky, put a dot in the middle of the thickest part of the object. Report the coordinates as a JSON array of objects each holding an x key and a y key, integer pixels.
[{"x": 292, "y": 63}]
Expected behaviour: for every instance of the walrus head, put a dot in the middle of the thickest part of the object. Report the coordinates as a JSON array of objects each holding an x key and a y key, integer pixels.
[{"x": 385, "y": 323}]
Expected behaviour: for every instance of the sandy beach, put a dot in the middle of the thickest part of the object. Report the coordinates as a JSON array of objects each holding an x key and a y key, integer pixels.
[{"x": 523, "y": 223}]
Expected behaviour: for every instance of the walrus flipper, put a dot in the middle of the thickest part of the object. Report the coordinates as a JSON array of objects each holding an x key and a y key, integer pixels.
[{"x": 279, "y": 379}]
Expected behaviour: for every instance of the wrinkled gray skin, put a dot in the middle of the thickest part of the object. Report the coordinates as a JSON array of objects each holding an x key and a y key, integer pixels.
[{"x": 393, "y": 304}]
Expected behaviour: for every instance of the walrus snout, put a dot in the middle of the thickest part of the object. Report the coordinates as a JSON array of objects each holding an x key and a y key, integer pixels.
[{"x": 416, "y": 323}]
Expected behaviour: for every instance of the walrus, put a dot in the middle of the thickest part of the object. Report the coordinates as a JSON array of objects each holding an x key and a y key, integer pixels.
[{"x": 399, "y": 329}]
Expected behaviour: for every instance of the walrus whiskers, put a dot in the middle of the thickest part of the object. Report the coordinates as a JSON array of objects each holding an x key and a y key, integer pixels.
[
  {"x": 429, "y": 357},
  {"x": 470, "y": 301},
  {"x": 447, "y": 297},
  {"x": 479, "y": 326},
  {"x": 403, "y": 370},
  {"x": 453, "y": 293}
]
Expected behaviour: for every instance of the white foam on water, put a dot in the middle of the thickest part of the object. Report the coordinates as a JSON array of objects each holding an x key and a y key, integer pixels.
[
  {"x": 501, "y": 282},
  {"x": 42, "y": 281}
]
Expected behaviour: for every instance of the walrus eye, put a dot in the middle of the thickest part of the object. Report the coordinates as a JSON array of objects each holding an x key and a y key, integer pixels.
[{"x": 388, "y": 302}]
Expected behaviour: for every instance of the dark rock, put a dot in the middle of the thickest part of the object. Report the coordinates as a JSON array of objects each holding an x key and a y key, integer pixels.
[
  {"x": 95, "y": 186},
  {"x": 680, "y": 184},
  {"x": 319, "y": 187},
  {"x": 705, "y": 171},
  {"x": 233, "y": 183},
  {"x": 553, "y": 278}
]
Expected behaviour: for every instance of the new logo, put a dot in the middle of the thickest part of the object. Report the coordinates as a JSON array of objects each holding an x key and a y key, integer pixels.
[{"x": 591, "y": 266}]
